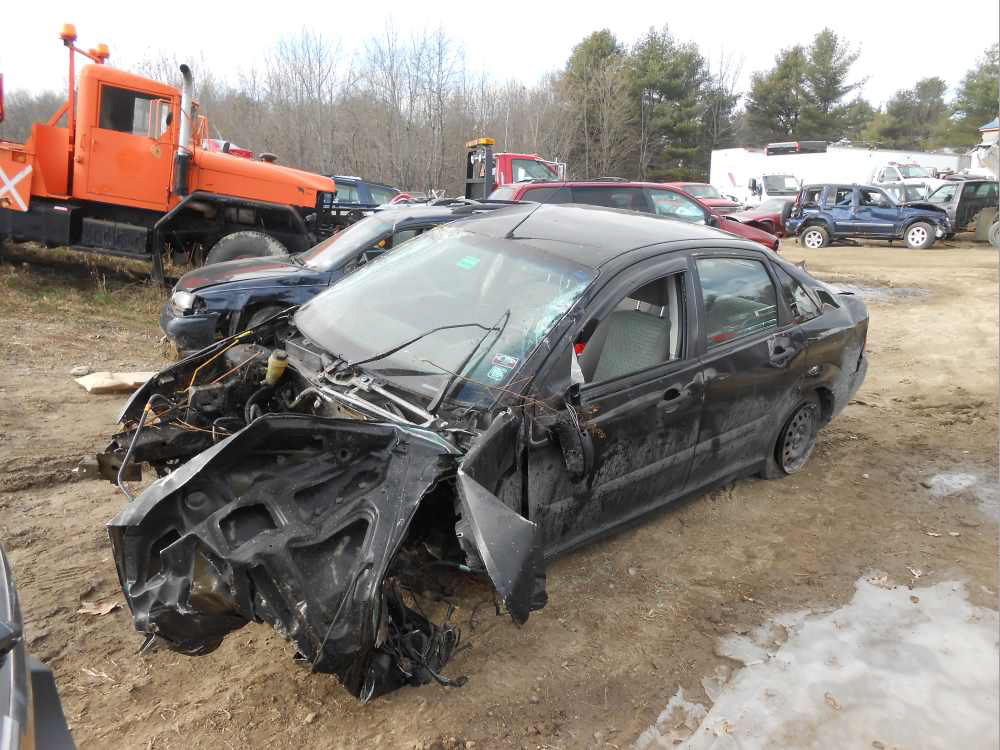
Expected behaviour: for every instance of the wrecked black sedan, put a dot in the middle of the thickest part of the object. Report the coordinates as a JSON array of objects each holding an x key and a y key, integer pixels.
[{"x": 493, "y": 393}]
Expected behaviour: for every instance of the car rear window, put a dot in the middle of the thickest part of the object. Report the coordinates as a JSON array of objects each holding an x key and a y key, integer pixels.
[
  {"x": 560, "y": 194},
  {"x": 382, "y": 194}
]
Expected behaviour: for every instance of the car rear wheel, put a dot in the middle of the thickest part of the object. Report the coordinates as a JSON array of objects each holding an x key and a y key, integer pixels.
[
  {"x": 919, "y": 236},
  {"x": 796, "y": 441},
  {"x": 244, "y": 245},
  {"x": 815, "y": 237}
]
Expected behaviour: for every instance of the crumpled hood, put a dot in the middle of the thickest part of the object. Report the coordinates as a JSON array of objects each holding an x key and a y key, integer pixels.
[{"x": 269, "y": 271}]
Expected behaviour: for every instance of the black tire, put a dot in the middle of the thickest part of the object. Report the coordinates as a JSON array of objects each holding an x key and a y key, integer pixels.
[
  {"x": 814, "y": 237},
  {"x": 244, "y": 245},
  {"x": 995, "y": 234},
  {"x": 786, "y": 211},
  {"x": 919, "y": 235},
  {"x": 260, "y": 315},
  {"x": 796, "y": 440}
]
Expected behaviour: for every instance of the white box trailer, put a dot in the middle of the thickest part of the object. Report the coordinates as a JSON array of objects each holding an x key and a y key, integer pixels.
[{"x": 735, "y": 170}]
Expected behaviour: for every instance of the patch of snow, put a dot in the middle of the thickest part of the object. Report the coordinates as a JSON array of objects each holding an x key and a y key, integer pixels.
[
  {"x": 894, "y": 668},
  {"x": 986, "y": 491}
]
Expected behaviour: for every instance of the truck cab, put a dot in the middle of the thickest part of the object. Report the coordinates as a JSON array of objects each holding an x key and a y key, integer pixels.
[
  {"x": 119, "y": 170},
  {"x": 485, "y": 170}
]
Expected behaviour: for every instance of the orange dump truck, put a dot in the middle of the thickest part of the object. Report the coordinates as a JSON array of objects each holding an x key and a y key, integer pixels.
[{"x": 117, "y": 170}]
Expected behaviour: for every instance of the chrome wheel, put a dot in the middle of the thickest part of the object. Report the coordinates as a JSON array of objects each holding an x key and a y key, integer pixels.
[
  {"x": 916, "y": 236},
  {"x": 799, "y": 438},
  {"x": 813, "y": 239}
]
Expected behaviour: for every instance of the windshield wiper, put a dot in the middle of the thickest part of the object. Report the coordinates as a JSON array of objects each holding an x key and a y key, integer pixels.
[
  {"x": 390, "y": 352},
  {"x": 443, "y": 391}
]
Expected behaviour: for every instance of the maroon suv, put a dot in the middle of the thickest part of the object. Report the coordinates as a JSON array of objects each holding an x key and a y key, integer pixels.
[{"x": 648, "y": 197}]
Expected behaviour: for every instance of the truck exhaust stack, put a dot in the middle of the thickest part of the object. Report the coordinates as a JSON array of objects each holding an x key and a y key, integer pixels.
[{"x": 182, "y": 161}]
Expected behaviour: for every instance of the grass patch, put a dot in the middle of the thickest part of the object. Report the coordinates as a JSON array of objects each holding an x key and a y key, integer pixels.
[{"x": 79, "y": 292}]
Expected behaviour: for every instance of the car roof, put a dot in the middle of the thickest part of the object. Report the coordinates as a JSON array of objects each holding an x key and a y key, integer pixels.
[
  {"x": 414, "y": 214},
  {"x": 591, "y": 235},
  {"x": 608, "y": 184}
]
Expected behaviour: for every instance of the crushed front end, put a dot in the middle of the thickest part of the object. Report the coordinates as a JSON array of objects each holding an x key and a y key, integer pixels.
[{"x": 312, "y": 502}]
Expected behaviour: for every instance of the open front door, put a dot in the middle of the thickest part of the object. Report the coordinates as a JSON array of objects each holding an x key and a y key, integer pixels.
[{"x": 494, "y": 533}]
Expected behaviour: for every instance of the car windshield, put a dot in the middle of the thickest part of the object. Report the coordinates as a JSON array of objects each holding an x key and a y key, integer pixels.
[
  {"x": 529, "y": 169},
  {"x": 702, "y": 191},
  {"x": 913, "y": 170},
  {"x": 472, "y": 307},
  {"x": 781, "y": 184},
  {"x": 346, "y": 243}
]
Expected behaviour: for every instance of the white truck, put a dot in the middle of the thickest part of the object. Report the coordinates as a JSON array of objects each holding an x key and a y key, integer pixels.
[{"x": 738, "y": 171}]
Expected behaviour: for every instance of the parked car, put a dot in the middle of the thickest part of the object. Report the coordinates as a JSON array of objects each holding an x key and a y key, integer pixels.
[
  {"x": 223, "y": 299},
  {"x": 647, "y": 197},
  {"x": 708, "y": 195},
  {"x": 901, "y": 193},
  {"x": 31, "y": 714},
  {"x": 823, "y": 213},
  {"x": 768, "y": 217},
  {"x": 493, "y": 393},
  {"x": 964, "y": 200}
]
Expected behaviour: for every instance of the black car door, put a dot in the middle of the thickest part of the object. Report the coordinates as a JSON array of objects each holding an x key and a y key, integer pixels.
[
  {"x": 638, "y": 406},
  {"x": 754, "y": 355}
]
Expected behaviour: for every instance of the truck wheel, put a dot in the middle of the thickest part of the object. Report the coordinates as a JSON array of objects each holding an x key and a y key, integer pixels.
[
  {"x": 815, "y": 237},
  {"x": 244, "y": 245},
  {"x": 919, "y": 236}
]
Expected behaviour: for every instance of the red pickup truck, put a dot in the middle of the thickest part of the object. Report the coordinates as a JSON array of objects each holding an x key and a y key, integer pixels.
[{"x": 648, "y": 197}]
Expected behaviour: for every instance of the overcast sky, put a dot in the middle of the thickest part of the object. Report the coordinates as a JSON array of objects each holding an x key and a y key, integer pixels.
[{"x": 900, "y": 42}]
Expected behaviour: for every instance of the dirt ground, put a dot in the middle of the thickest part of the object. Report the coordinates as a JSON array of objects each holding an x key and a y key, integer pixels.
[{"x": 629, "y": 620}]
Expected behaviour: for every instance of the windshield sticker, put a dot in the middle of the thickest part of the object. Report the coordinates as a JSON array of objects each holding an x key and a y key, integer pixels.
[
  {"x": 503, "y": 360},
  {"x": 468, "y": 262},
  {"x": 497, "y": 373}
]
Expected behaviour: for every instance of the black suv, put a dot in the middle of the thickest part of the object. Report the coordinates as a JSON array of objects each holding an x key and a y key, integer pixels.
[{"x": 822, "y": 213}]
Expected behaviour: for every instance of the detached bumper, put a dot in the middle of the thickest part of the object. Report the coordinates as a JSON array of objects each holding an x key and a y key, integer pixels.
[{"x": 189, "y": 333}]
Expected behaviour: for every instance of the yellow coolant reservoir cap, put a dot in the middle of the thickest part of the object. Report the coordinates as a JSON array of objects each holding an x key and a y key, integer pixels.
[{"x": 276, "y": 365}]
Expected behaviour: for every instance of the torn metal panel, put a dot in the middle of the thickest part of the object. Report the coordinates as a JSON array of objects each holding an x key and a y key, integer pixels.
[
  {"x": 294, "y": 521},
  {"x": 507, "y": 543}
]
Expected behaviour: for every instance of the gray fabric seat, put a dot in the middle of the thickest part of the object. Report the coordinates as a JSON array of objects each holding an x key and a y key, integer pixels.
[{"x": 632, "y": 340}]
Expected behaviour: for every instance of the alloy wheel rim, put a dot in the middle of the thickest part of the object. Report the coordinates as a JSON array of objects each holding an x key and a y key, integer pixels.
[
  {"x": 813, "y": 240},
  {"x": 918, "y": 235},
  {"x": 799, "y": 439}
]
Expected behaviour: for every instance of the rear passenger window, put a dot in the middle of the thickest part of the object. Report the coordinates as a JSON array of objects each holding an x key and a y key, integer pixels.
[
  {"x": 796, "y": 297},
  {"x": 612, "y": 197},
  {"x": 543, "y": 195},
  {"x": 841, "y": 198},
  {"x": 739, "y": 297},
  {"x": 347, "y": 193}
]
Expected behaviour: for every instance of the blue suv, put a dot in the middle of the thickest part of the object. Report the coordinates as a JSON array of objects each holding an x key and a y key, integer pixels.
[{"x": 822, "y": 213}]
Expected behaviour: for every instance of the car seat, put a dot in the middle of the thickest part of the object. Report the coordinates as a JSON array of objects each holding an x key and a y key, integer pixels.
[{"x": 626, "y": 341}]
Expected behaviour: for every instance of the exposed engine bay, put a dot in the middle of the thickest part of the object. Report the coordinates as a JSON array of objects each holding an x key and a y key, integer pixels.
[{"x": 297, "y": 490}]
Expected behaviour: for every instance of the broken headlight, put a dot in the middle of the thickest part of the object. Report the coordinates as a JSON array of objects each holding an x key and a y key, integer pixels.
[{"x": 184, "y": 302}]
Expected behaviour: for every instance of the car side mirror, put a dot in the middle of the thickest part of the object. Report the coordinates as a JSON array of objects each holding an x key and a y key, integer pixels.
[{"x": 711, "y": 220}]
